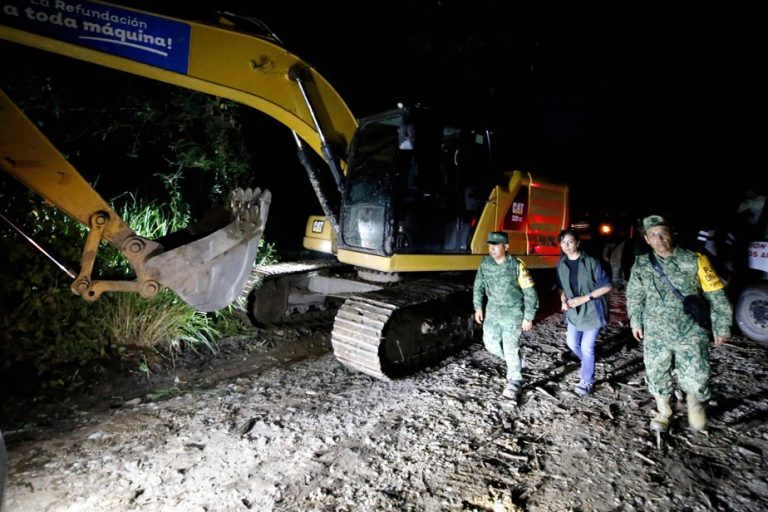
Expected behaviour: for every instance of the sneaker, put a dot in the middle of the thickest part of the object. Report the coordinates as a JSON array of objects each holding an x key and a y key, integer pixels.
[
  {"x": 512, "y": 391},
  {"x": 583, "y": 388}
]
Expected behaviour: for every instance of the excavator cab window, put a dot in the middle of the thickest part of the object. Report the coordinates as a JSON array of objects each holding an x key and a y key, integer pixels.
[
  {"x": 367, "y": 199},
  {"x": 414, "y": 185}
]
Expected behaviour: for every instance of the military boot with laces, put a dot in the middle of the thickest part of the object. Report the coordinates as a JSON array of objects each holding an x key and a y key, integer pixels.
[
  {"x": 697, "y": 414},
  {"x": 660, "y": 422}
]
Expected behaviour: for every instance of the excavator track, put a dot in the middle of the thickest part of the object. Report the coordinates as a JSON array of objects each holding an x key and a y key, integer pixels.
[
  {"x": 390, "y": 332},
  {"x": 266, "y": 298}
]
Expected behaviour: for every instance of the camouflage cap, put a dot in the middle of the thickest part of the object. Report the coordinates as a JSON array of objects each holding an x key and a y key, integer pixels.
[
  {"x": 498, "y": 237},
  {"x": 653, "y": 221}
]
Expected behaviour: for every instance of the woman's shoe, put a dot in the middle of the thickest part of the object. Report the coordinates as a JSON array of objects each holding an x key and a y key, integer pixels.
[
  {"x": 512, "y": 391},
  {"x": 583, "y": 388}
]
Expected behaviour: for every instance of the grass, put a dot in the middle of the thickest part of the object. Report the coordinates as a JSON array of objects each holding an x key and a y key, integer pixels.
[{"x": 164, "y": 322}]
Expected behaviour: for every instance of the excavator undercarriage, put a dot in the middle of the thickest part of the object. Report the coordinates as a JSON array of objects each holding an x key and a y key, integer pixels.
[{"x": 384, "y": 329}]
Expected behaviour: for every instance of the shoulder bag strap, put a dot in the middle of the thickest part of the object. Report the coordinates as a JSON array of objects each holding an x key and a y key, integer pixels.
[{"x": 660, "y": 271}]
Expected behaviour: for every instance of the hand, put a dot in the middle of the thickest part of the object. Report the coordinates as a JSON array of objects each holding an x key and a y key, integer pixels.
[
  {"x": 719, "y": 340},
  {"x": 564, "y": 305},
  {"x": 637, "y": 332},
  {"x": 479, "y": 316},
  {"x": 527, "y": 325},
  {"x": 578, "y": 301}
]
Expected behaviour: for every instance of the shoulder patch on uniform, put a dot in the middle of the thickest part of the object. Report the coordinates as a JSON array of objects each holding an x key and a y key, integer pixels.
[
  {"x": 524, "y": 278},
  {"x": 708, "y": 278}
]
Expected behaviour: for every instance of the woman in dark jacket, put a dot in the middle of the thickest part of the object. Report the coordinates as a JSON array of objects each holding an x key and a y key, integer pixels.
[{"x": 583, "y": 283}]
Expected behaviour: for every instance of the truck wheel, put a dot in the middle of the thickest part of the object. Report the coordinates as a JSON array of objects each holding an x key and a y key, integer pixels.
[{"x": 752, "y": 313}]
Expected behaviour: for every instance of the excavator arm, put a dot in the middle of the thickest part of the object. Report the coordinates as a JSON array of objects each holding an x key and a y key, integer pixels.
[{"x": 209, "y": 272}]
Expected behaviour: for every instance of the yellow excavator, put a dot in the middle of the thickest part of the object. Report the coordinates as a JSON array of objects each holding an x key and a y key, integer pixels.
[{"x": 408, "y": 198}]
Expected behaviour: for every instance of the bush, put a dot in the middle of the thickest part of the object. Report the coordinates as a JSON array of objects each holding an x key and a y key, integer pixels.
[{"x": 41, "y": 320}]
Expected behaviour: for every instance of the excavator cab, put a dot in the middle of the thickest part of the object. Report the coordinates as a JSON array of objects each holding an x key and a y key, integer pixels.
[{"x": 414, "y": 185}]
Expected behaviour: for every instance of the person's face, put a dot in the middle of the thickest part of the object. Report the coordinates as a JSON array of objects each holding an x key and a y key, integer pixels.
[
  {"x": 497, "y": 250},
  {"x": 569, "y": 245},
  {"x": 660, "y": 240}
]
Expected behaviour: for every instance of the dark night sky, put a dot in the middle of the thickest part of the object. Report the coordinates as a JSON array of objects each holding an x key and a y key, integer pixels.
[{"x": 617, "y": 103}]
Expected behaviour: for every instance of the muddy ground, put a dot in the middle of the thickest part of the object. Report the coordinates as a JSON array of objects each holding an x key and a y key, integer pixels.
[{"x": 273, "y": 422}]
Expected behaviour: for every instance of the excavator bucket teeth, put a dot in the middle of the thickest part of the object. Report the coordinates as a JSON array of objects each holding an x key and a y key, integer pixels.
[{"x": 208, "y": 273}]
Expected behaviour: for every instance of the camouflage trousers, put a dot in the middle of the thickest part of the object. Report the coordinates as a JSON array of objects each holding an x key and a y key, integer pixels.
[
  {"x": 690, "y": 361},
  {"x": 501, "y": 337}
]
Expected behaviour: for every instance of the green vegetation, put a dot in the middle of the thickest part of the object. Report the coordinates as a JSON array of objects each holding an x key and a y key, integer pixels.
[{"x": 163, "y": 322}]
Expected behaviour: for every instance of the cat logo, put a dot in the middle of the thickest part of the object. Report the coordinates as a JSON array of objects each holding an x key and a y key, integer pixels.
[{"x": 317, "y": 226}]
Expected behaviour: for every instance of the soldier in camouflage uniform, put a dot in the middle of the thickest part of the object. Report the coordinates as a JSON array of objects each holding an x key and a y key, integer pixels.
[
  {"x": 670, "y": 337},
  {"x": 512, "y": 304}
]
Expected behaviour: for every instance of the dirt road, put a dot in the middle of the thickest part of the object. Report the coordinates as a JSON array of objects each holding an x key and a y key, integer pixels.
[{"x": 276, "y": 423}]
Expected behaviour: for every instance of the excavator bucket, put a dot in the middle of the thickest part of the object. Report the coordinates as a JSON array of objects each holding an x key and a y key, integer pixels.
[{"x": 209, "y": 272}]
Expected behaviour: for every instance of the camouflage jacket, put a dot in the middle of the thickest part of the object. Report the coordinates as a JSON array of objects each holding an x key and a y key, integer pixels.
[
  {"x": 506, "y": 285},
  {"x": 652, "y": 306}
]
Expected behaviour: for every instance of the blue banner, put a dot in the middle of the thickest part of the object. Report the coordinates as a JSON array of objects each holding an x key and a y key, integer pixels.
[{"x": 137, "y": 36}]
